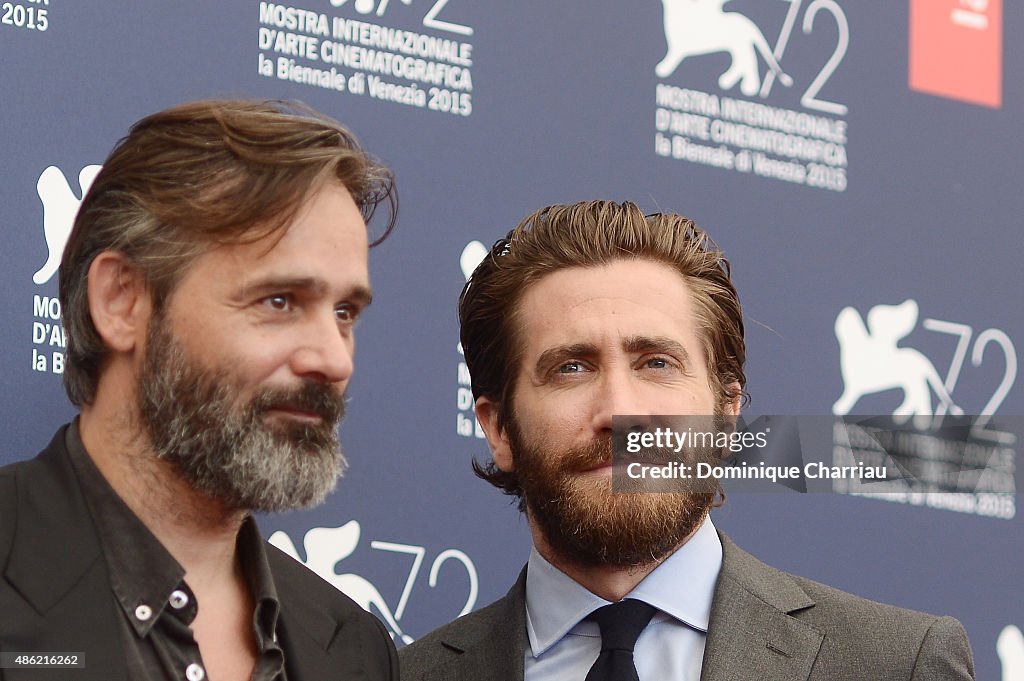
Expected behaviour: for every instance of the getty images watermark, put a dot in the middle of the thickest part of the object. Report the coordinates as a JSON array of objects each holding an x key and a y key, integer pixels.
[{"x": 851, "y": 454}]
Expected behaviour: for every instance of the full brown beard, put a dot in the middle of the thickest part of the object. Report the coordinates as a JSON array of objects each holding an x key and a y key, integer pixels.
[{"x": 587, "y": 525}]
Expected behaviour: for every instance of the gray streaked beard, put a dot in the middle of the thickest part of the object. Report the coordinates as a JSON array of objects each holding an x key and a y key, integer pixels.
[{"x": 224, "y": 449}]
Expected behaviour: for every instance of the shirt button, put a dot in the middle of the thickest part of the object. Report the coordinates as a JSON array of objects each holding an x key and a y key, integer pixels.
[
  {"x": 179, "y": 599},
  {"x": 194, "y": 672},
  {"x": 143, "y": 612}
]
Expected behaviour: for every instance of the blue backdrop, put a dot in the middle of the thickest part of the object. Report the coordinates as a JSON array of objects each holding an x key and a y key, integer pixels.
[{"x": 887, "y": 170}]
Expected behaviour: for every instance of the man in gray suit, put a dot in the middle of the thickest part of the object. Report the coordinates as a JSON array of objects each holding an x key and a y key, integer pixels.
[{"x": 592, "y": 310}]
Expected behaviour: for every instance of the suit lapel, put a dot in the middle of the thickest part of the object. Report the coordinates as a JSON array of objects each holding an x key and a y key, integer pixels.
[
  {"x": 306, "y": 639},
  {"x": 54, "y": 543},
  {"x": 494, "y": 650},
  {"x": 751, "y": 634},
  {"x": 306, "y": 630},
  {"x": 58, "y": 569}
]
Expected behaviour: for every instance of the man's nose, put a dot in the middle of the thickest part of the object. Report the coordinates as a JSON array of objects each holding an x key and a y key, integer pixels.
[
  {"x": 326, "y": 351},
  {"x": 619, "y": 403}
]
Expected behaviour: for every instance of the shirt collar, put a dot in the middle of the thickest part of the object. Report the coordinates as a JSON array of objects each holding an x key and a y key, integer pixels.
[
  {"x": 682, "y": 587},
  {"x": 143, "y": 572},
  {"x": 252, "y": 552}
]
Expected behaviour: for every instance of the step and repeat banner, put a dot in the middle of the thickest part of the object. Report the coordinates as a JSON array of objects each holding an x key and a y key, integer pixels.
[{"x": 860, "y": 163}]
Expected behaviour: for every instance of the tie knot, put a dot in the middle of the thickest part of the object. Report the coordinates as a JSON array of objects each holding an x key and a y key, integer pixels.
[{"x": 621, "y": 623}]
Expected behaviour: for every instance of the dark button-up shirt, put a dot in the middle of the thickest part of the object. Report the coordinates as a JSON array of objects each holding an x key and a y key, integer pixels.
[{"x": 149, "y": 587}]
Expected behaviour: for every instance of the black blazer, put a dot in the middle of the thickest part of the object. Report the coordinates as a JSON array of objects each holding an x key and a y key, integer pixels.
[{"x": 55, "y": 592}]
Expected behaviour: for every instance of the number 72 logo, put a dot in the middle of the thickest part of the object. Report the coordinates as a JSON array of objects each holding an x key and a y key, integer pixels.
[
  {"x": 325, "y": 547},
  {"x": 430, "y": 20}
]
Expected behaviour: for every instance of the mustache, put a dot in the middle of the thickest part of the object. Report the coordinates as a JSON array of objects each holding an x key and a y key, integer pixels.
[
  {"x": 591, "y": 455},
  {"x": 599, "y": 452},
  {"x": 310, "y": 396},
  {"x": 605, "y": 450}
]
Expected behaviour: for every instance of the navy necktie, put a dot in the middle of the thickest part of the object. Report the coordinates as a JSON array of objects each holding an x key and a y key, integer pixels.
[{"x": 621, "y": 624}]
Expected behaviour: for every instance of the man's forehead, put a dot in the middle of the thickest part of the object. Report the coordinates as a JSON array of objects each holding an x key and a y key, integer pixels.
[
  {"x": 618, "y": 303},
  {"x": 323, "y": 250}
]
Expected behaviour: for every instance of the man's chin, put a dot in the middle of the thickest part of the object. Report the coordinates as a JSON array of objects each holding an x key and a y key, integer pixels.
[
  {"x": 290, "y": 501},
  {"x": 300, "y": 432},
  {"x": 591, "y": 526}
]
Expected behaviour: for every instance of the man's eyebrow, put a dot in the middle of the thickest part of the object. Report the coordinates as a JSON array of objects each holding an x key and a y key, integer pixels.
[
  {"x": 359, "y": 294},
  {"x": 561, "y": 353},
  {"x": 670, "y": 346}
]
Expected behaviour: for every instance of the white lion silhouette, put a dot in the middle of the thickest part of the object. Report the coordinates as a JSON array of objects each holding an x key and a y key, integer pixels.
[
  {"x": 701, "y": 27},
  {"x": 472, "y": 255},
  {"x": 871, "y": 362},
  {"x": 1010, "y": 648},
  {"x": 325, "y": 547},
  {"x": 60, "y": 205}
]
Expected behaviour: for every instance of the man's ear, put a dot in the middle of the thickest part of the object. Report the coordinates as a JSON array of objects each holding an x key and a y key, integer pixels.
[
  {"x": 497, "y": 438},
  {"x": 118, "y": 301},
  {"x": 732, "y": 407}
]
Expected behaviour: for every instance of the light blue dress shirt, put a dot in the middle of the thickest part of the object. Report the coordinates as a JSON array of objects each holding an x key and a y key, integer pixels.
[{"x": 563, "y": 646}]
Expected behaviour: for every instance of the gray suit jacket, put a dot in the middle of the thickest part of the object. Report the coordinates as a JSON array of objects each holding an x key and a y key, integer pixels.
[
  {"x": 55, "y": 593},
  {"x": 765, "y": 625}
]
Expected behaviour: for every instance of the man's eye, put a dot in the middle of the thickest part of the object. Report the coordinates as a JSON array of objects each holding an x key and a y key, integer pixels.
[
  {"x": 280, "y": 302},
  {"x": 656, "y": 363},
  {"x": 571, "y": 368},
  {"x": 346, "y": 314}
]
